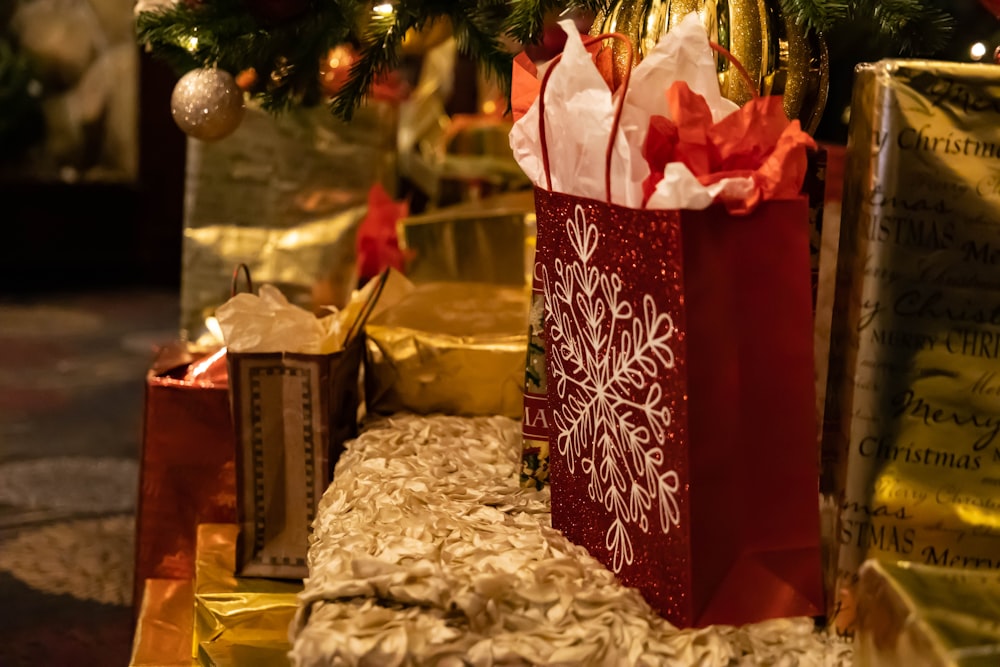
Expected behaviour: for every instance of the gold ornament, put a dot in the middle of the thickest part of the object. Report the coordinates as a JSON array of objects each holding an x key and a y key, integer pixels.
[
  {"x": 781, "y": 58},
  {"x": 207, "y": 104},
  {"x": 335, "y": 68}
]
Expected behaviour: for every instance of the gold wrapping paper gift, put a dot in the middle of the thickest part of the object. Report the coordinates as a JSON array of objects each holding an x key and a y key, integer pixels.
[
  {"x": 284, "y": 195},
  {"x": 165, "y": 625},
  {"x": 925, "y": 616},
  {"x": 238, "y": 621},
  {"x": 912, "y": 419},
  {"x": 487, "y": 241},
  {"x": 453, "y": 348}
]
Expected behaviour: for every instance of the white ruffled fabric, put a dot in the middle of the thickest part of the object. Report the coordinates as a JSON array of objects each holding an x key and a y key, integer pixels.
[{"x": 427, "y": 552}]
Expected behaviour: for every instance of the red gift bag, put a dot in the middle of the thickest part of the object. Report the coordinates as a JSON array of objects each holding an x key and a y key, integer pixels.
[
  {"x": 188, "y": 470},
  {"x": 680, "y": 393}
]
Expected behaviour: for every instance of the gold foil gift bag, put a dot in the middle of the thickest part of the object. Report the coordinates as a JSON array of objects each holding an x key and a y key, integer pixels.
[
  {"x": 295, "y": 394},
  {"x": 912, "y": 441}
]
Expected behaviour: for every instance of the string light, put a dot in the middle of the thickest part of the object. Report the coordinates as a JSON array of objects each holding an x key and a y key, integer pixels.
[
  {"x": 977, "y": 51},
  {"x": 384, "y": 9}
]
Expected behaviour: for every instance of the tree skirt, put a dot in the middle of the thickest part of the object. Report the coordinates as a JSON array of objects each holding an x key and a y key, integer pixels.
[{"x": 428, "y": 552}]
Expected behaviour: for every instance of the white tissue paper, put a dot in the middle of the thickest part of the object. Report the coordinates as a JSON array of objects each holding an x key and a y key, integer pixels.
[
  {"x": 269, "y": 323},
  {"x": 579, "y": 113}
]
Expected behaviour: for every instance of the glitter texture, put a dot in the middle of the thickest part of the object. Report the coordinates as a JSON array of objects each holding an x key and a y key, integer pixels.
[
  {"x": 725, "y": 417},
  {"x": 207, "y": 104},
  {"x": 777, "y": 52},
  {"x": 641, "y": 248}
]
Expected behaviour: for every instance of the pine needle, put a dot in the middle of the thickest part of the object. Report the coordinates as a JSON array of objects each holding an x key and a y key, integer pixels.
[{"x": 287, "y": 55}]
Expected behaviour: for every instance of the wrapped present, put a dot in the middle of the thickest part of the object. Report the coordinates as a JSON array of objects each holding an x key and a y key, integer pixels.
[
  {"x": 926, "y": 616},
  {"x": 534, "y": 420},
  {"x": 911, "y": 452},
  {"x": 484, "y": 241},
  {"x": 284, "y": 195},
  {"x": 165, "y": 625},
  {"x": 681, "y": 434},
  {"x": 295, "y": 396},
  {"x": 456, "y": 348},
  {"x": 238, "y": 621},
  {"x": 458, "y": 158},
  {"x": 187, "y": 474}
]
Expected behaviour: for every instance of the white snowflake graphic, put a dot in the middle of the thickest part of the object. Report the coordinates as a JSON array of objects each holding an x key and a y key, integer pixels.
[{"x": 602, "y": 355}]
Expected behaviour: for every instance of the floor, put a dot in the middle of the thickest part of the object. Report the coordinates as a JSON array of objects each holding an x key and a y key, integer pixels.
[{"x": 71, "y": 392}]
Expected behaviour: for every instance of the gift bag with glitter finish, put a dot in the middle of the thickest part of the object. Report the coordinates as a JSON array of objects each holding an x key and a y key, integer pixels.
[{"x": 681, "y": 398}]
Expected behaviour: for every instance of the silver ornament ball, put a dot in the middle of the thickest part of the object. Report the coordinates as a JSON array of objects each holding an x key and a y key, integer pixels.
[{"x": 207, "y": 104}]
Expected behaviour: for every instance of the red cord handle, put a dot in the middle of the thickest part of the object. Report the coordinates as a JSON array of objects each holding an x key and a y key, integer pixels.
[
  {"x": 614, "y": 126},
  {"x": 747, "y": 81},
  {"x": 623, "y": 89}
]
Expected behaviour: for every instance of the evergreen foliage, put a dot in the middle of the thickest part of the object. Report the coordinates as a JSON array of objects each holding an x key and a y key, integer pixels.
[
  {"x": 286, "y": 54},
  {"x": 906, "y": 26}
]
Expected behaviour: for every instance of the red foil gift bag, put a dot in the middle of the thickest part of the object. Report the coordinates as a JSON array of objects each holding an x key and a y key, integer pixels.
[
  {"x": 188, "y": 470},
  {"x": 681, "y": 399}
]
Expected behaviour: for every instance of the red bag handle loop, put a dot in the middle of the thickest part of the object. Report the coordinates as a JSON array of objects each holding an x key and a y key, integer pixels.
[
  {"x": 740, "y": 69},
  {"x": 614, "y": 126},
  {"x": 744, "y": 75},
  {"x": 234, "y": 286}
]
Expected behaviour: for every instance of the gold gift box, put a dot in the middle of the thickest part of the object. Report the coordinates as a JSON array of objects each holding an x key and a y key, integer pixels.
[
  {"x": 910, "y": 448},
  {"x": 218, "y": 620},
  {"x": 926, "y": 616},
  {"x": 237, "y": 620},
  {"x": 284, "y": 195},
  {"x": 453, "y": 348},
  {"x": 165, "y": 625},
  {"x": 487, "y": 241}
]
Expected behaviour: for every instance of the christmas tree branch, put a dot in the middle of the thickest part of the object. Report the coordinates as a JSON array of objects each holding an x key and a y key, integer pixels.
[
  {"x": 906, "y": 26},
  {"x": 912, "y": 25},
  {"x": 477, "y": 33},
  {"x": 286, "y": 54},
  {"x": 379, "y": 53},
  {"x": 818, "y": 15}
]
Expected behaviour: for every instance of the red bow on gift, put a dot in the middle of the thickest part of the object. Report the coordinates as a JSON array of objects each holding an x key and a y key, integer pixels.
[{"x": 377, "y": 243}]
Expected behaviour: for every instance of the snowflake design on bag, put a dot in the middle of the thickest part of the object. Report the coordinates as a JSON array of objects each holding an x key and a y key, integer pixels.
[{"x": 603, "y": 354}]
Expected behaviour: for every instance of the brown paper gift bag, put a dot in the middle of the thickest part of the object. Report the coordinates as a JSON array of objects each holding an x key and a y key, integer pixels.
[{"x": 292, "y": 414}]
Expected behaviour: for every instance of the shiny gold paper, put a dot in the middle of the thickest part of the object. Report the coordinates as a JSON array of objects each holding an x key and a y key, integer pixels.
[
  {"x": 452, "y": 159},
  {"x": 165, "y": 625},
  {"x": 235, "y": 614},
  {"x": 475, "y": 163},
  {"x": 925, "y": 616},
  {"x": 224, "y": 653},
  {"x": 283, "y": 195},
  {"x": 779, "y": 54},
  {"x": 455, "y": 348},
  {"x": 482, "y": 241},
  {"x": 911, "y": 448}
]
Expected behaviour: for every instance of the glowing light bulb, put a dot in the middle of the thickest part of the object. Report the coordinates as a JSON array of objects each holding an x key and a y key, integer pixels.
[
  {"x": 384, "y": 9},
  {"x": 977, "y": 51},
  {"x": 191, "y": 44}
]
